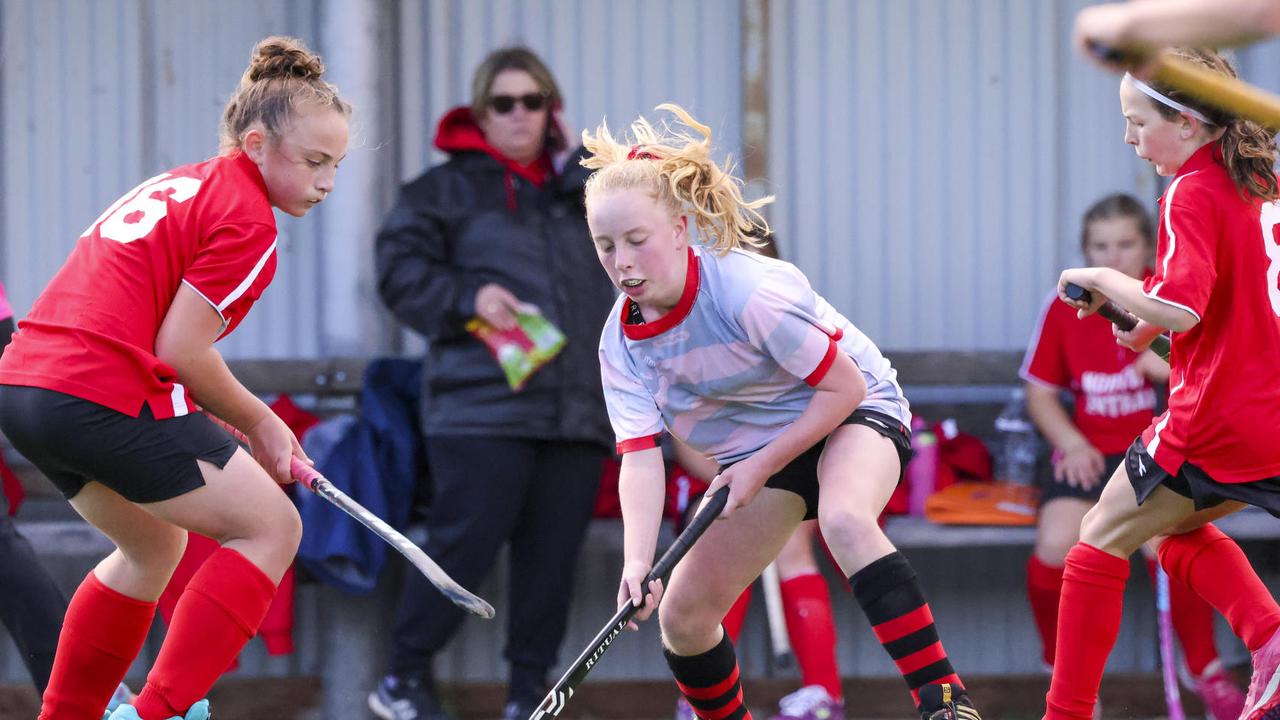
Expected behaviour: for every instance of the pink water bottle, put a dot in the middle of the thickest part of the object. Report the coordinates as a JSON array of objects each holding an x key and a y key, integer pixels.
[{"x": 922, "y": 471}]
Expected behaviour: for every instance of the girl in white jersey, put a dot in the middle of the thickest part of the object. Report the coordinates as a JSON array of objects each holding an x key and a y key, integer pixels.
[{"x": 737, "y": 356}]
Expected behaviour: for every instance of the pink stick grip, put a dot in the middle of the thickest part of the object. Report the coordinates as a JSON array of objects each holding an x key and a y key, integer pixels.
[{"x": 303, "y": 472}]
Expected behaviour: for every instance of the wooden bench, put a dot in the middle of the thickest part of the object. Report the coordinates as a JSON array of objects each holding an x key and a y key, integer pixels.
[{"x": 973, "y": 574}]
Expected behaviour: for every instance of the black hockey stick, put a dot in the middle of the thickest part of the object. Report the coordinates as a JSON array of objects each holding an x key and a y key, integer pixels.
[
  {"x": 1120, "y": 317},
  {"x": 554, "y": 702}
]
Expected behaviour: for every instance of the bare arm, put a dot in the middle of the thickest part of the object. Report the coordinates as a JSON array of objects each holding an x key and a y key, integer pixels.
[
  {"x": 1158, "y": 23},
  {"x": 641, "y": 491},
  {"x": 1106, "y": 283},
  {"x": 185, "y": 343},
  {"x": 701, "y": 466},
  {"x": 1051, "y": 418},
  {"x": 1077, "y": 460},
  {"x": 837, "y": 395}
]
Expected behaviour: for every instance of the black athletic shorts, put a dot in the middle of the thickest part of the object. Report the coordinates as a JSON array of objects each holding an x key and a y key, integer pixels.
[
  {"x": 800, "y": 476},
  {"x": 73, "y": 441},
  {"x": 1194, "y": 483},
  {"x": 1054, "y": 488}
]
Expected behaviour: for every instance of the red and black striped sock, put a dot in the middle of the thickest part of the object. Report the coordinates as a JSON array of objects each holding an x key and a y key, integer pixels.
[
  {"x": 710, "y": 681},
  {"x": 890, "y": 595}
]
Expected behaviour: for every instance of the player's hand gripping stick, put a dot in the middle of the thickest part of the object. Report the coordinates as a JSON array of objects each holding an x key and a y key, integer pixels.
[
  {"x": 1120, "y": 317},
  {"x": 553, "y": 704},
  {"x": 312, "y": 480}
]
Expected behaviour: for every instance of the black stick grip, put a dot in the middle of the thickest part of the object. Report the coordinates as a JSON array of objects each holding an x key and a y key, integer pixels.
[
  {"x": 1119, "y": 317},
  {"x": 701, "y": 522},
  {"x": 558, "y": 697}
]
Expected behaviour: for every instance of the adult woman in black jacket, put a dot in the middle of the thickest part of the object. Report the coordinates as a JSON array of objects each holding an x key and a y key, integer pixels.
[{"x": 498, "y": 229}]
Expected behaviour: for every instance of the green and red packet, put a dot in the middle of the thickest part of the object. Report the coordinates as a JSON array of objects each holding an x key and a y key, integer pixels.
[{"x": 522, "y": 350}]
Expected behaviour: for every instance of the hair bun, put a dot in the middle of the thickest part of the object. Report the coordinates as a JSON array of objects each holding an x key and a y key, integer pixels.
[{"x": 283, "y": 57}]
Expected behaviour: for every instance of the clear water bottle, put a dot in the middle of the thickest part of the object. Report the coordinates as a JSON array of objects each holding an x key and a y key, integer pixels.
[{"x": 1019, "y": 442}]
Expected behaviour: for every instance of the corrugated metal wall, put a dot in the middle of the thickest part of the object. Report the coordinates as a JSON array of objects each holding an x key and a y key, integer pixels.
[
  {"x": 931, "y": 158},
  {"x": 101, "y": 95}
]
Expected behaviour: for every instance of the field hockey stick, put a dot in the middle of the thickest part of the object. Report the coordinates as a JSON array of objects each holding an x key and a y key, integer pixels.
[
  {"x": 312, "y": 480},
  {"x": 553, "y": 704},
  {"x": 779, "y": 640},
  {"x": 1168, "y": 663},
  {"x": 1230, "y": 94},
  {"x": 1119, "y": 317}
]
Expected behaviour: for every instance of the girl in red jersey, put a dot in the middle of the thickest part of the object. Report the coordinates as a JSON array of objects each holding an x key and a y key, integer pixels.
[
  {"x": 99, "y": 386},
  {"x": 1115, "y": 399},
  {"x": 1214, "y": 450}
]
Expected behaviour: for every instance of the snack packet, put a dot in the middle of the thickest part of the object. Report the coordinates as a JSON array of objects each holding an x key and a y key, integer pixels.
[{"x": 522, "y": 350}]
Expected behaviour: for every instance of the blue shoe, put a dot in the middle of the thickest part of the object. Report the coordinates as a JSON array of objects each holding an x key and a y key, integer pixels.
[
  {"x": 121, "y": 696},
  {"x": 199, "y": 711}
]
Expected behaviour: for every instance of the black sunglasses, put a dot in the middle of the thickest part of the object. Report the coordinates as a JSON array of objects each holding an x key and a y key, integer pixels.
[{"x": 503, "y": 104}]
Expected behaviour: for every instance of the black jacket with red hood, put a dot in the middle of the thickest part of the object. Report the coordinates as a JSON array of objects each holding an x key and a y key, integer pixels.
[{"x": 480, "y": 218}]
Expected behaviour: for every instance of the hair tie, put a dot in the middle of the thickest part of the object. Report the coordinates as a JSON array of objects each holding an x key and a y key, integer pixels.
[{"x": 639, "y": 154}]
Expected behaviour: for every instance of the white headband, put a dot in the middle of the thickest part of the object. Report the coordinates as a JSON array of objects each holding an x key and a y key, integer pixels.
[{"x": 1160, "y": 97}]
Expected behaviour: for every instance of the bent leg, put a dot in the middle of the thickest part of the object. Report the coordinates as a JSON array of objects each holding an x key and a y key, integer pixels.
[
  {"x": 1097, "y": 569},
  {"x": 858, "y": 472},
  {"x": 705, "y": 584},
  {"x": 225, "y": 601}
]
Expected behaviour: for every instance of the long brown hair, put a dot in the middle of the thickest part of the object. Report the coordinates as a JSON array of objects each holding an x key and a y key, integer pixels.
[
  {"x": 282, "y": 75},
  {"x": 1248, "y": 149}
]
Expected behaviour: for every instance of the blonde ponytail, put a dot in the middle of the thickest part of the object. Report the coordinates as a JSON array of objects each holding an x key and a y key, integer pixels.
[{"x": 678, "y": 170}]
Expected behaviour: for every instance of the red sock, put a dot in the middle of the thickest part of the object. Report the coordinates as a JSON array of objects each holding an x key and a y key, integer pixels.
[
  {"x": 101, "y": 635},
  {"x": 1192, "y": 621},
  {"x": 737, "y": 615},
  {"x": 1088, "y": 623},
  {"x": 812, "y": 630},
  {"x": 1213, "y": 566},
  {"x": 1044, "y": 592},
  {"x": 220, "y": 610}
]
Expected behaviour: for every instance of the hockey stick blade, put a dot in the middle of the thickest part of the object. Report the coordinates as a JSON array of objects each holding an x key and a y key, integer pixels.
[
  {"x": 311, "y": 479},
  {"x": 458, "y": 595},
  {"x": 553, "y": 704}
]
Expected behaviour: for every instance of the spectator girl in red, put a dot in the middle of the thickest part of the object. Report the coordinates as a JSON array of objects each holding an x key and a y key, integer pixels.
[
  {"x": 1214, "y": 450},
  {"x": 100, "y": 384}
]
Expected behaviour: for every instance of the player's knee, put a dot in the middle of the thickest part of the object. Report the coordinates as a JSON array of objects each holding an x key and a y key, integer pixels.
[
  {"x": 847, "y": 526},
  {"x": 1108, "y": 532},
  {"x": 286, "y": 528},
  {"x": 684, "y": 621}
]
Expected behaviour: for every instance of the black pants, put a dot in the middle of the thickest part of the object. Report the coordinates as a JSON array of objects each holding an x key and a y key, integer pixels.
[
  {"x": 486, "y": 492},
  {"x": 31, "y": 605}
]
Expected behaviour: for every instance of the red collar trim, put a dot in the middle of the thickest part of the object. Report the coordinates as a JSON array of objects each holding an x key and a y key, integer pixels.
[
  {"x": 677, "y": 315},
  {"x": 247, "y": 166}
]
